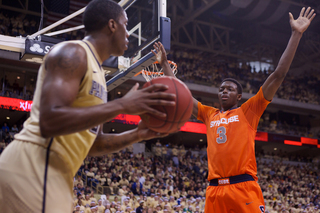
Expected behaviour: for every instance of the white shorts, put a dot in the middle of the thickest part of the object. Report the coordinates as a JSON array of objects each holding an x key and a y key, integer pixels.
[{"x": 34, "y": 179}]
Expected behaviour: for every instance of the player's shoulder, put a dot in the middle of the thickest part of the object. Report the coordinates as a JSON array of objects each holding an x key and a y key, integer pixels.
[
  {"x": 255, "y": 98},
  {"x": 68, "y": 49},
  {"x": 72, "y": 45},
  {"x": 212, "y": 110},
  {"x": 67, "y": 52}
]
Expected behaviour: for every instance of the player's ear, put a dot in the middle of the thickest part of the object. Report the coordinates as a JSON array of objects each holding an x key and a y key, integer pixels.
[
  {"x": 239, "y": 96},
  {"x": 112, "y": 25}
]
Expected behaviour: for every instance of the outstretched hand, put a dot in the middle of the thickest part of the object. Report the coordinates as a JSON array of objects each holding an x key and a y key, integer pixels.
[
  {"x": 160, "y": 53},
  {"x": 302, "y": 23},
  {"x": 146, "y": 134},
  {"x": 137, "y": 102}
]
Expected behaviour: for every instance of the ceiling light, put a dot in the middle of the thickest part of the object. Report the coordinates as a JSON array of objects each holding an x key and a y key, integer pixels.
[
  {"x": 275, "y": 149},
  {"x": 119, "y": 93},
  {"x": 8, "y": 118},
  {"x": 113, "y": 130},
  {"x": 201, "y": 140},
  {"x": 18, "y": 77}
]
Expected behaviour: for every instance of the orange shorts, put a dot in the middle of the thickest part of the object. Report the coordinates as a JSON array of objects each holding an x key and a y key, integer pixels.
[{"x": 244, "y": 197}]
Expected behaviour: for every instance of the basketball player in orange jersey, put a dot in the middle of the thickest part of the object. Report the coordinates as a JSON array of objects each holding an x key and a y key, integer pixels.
[
  {"x": 69, "y": 108},
  {"x": 231, "y": 132}
]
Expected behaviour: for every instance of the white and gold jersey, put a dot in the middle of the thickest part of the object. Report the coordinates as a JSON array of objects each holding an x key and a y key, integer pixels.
[{"x": 73, "y": 148}]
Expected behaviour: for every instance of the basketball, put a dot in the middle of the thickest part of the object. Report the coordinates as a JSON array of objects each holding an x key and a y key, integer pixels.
[{"x": 177, "y": 115}]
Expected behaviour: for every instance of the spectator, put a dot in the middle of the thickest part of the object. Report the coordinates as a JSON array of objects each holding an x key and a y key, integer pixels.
[
  {"x": 140, "y": 208},
  {"x": 7, "y": 136},
  {"x": 114, "y": 186},
  {"x": 14, "y": 129},
  {"x": 175, "y": 156},
  {"x": 78, "y": 182},
  {"x": 5, "y": 128}
]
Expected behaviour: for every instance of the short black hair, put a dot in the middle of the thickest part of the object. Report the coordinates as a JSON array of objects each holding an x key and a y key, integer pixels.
[
  {"x": 98, "y": 13},
  {"x": 239, "y": 87}
]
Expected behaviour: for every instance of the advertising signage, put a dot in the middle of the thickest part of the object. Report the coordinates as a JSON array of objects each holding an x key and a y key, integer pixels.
[
  {"x": 15, "y": 104},
  {"x": 199, "y": 128}
]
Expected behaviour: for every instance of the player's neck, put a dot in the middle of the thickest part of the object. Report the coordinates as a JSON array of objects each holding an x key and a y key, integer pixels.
[
  {"x": 100, "y": 43},
  {"x": 226, "y": 108}
]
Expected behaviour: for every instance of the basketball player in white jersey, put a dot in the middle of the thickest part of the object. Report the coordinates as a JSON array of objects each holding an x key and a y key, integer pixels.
[{"x": 69, "y": 107}]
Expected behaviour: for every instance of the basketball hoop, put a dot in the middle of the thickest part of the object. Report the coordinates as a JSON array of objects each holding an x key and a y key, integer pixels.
[{"x": 155, "y": 71}]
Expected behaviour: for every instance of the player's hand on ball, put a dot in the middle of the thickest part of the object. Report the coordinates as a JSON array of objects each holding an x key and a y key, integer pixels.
[
  {"x": 137, "y": 102},
  {"x": 302, "y": 23},
  {"x": 146, "y": 134},
  {"x": 160, "y": 53}
]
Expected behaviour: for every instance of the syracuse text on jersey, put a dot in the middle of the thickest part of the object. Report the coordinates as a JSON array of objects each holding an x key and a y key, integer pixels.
[{"x": 224, "y": 121}]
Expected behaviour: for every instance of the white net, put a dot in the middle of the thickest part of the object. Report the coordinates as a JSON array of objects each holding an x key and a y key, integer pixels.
[{"x": 155, "y": 71}]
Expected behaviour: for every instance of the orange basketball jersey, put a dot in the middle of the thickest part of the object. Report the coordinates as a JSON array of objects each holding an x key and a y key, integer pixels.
[{"x": 231, "y": 137}]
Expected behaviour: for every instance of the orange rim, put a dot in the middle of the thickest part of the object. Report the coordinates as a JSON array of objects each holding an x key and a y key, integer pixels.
[
  {"x": 151, "y": 73},
  {"x": 157, "y": 73}
]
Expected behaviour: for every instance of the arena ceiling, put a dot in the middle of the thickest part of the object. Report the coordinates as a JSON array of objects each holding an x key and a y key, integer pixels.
[{"x": 244, "y": 29}]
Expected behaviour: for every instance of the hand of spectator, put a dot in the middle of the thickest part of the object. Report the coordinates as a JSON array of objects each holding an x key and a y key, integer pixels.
[
  {"x": 160, "y": 53},
  {"x": 302, "y": 23},
  {"x": 146, "y": 134},
  {"x": 137, "y": 102}
]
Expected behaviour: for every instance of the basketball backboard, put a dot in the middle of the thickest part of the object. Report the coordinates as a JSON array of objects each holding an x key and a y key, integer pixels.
[{"x": 147, "y": 23}]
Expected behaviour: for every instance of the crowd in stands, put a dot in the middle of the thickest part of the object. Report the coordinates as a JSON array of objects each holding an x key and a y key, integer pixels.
[
  {"x": 288, "y": 186},
  {"x": 7, "y": 135},
  {"x": 151, "y": 183},
  {"x": 173, "y": 179},
  {"x": 17, "y": 25},
  {"x": 16, "y": 94},
  {"x": 286, "y": 124},
  {"x": 11, "y": 88}
]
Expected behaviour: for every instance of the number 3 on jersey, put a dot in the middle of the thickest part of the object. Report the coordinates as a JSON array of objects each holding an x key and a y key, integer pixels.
[{"x": 222, "y": 138}]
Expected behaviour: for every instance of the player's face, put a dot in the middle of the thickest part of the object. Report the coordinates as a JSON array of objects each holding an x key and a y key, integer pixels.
[
  {"x": 121, "y": 35},
  {"x": 228, "y": 95}
]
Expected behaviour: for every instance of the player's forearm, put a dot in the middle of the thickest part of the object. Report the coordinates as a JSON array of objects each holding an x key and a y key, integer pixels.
[
  {"x": 288, "y": 55},
  {"x": 67, "y": 120},
  {"x": 168, "y": 72},
  {"x": 109, "y": 143},
  {"x": 274, "y": 81},
  {"x": 166, "y": 69},
  {"x": 195, "y": 108}
]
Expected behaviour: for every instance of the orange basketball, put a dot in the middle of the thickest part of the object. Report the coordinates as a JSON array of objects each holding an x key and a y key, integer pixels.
[{"x": 177, "y": 115}]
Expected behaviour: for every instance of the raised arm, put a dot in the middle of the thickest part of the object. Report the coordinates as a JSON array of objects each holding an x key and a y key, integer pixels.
[
  {"x": 163, "y": 61},
  {"x": 298, "y": 26},
  {"x": 66, "y": 65}
]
